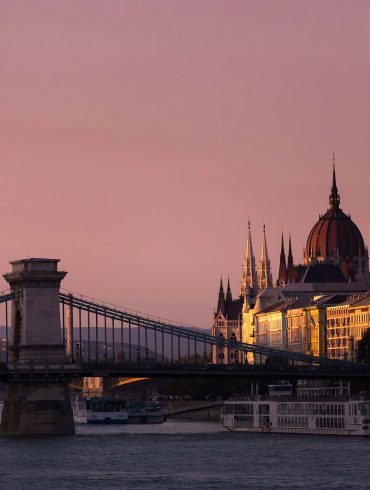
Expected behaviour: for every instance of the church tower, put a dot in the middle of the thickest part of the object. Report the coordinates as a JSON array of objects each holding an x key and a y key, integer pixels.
[
  {"x": 264, "y": 269},
  {"x": 249, "y": 275},
  {"x": 227, "y": 325}
]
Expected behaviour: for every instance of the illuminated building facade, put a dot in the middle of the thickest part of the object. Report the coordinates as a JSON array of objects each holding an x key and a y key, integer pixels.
[
  {"x": 292, "y": 313},
  {"x": 346, "y": 325}
]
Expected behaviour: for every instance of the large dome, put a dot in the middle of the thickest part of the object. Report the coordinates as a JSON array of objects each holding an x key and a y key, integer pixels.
[{"x": 335, "y": 234}]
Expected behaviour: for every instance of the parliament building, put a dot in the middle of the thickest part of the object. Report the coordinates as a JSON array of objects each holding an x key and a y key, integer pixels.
[{"x": 291, "y": 313}]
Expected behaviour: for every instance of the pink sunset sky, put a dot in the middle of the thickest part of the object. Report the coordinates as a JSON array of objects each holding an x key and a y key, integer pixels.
[{"x": 137, "y": 137}]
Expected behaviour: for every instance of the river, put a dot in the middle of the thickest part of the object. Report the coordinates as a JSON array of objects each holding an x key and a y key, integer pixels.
[{"x": 181, "y": 455}]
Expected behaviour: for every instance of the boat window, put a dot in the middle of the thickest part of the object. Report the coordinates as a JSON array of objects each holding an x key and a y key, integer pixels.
[
  {"x": 229, "y": 408},
  {"x": 263, "y": 408},
  {"x": 240, "y": 408}
]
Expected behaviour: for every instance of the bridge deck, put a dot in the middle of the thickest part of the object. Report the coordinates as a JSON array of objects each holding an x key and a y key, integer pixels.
[{"x": 189, "y": 370}]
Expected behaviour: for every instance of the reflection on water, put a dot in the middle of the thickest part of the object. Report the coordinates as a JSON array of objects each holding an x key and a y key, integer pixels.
[
  {"x": 170, "y": 427},
  {"x": 181, "y": 455}
]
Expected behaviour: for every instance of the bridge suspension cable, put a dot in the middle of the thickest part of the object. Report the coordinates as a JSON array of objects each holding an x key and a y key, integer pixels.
[{"x": 172, "y": 329}]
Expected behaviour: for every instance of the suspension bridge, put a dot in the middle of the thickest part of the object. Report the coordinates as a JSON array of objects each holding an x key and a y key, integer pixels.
[{"x": 52, "y": 336}]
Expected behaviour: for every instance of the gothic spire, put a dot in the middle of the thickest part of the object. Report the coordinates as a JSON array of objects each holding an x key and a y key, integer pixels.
[
  {"x": 249, "y": 275},
  {"x": 221, "y": 299},
  {"x": 282, "y": 267},
  {"x": 264, "y": 268},
  {"x": 290, "y": 255},
  {"x": 282, "y": 244},
  {"x": 334, "y": 198},
  {"x": 229, "y": 296}
]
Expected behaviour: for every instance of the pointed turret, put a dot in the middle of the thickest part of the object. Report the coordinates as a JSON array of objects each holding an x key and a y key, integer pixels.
[
  {"x": 290, "y": 255},
  {"x": 282, "y": 278},
  {"x": 229, "y": 296},
  {"x": 290, "y": 264},
  {"x": 221, "y": 299},
  {"x": 334, "y": 198},
  {"x": 264, "y": 268},
  {"x": 249, "y": 276}
]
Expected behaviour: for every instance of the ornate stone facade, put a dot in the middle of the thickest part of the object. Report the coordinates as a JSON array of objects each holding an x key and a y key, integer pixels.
[{"x": 335, "y": 261}]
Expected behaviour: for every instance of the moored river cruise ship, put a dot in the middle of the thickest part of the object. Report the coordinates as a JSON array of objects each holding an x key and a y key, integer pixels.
[{"x": 314, "y": 410}]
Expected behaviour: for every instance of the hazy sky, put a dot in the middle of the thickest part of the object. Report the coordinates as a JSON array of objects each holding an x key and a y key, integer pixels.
[{"x": 136, "y": 137}]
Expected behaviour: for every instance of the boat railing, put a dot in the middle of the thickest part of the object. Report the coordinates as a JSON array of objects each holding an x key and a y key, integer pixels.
[{"x": 292, "y": 398}]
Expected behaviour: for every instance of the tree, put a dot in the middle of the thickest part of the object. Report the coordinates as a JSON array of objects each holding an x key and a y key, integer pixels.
[{"x": 363, "y": 348}]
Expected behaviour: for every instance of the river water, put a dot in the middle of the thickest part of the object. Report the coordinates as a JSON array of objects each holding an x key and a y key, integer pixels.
[{"x": 181, "y": 455}]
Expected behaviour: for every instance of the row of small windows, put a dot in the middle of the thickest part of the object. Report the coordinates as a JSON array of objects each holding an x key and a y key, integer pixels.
[
  {"x": 337, "y": 342},
  {"x": 350, "y": 334},
  {"x": 239, "y": 408},
  {"x": 292, "y": 422},
  {"x": 329, "y": 423},
  {"x": 339, "y": 322},
  {"x": 361, "y": 409},
  {"x": 365, "y": 317},
  {"x": 338, "y": 332},
  {"x": 339, "y": 311},
  {"x": 349, "y": 320},
  {"x": 338, "y": 353},
  {"x": 228, "y": 323},
  {"x": 310, "y": 409}
]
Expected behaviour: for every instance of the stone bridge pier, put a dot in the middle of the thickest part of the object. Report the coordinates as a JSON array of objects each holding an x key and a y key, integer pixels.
[{"x": 35, "y": 403}]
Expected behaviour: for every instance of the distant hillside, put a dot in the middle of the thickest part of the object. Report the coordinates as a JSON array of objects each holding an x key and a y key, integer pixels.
[{"x": 134, "y": 342}]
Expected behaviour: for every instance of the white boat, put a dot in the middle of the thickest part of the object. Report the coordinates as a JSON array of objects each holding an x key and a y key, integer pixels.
[
  {"x": 314, "y": 410},
  {"x": 99, "y": 410}
]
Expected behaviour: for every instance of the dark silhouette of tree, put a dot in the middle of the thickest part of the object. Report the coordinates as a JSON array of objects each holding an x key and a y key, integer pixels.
[{"x": 363, "y": 348}]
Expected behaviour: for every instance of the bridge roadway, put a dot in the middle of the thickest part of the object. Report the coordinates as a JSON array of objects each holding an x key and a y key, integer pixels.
[{"x": 345, "y": 371}]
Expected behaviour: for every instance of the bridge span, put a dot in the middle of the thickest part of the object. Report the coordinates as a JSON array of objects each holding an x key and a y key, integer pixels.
[
  {"x": 54, "y": 337},
  {"x": 168, "y": 370}
]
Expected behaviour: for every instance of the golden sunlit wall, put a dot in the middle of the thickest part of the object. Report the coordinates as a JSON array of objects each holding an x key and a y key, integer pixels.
[
  {"x": 248, "y": 333},
  {"x": 346, "y": 325}
]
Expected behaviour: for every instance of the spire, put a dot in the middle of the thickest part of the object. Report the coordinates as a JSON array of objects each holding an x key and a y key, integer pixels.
[
  {"x": 229, "y": 296},
  {"x": 282, "y": 267},
  {"x": 221, "y": 299},
  {"x": 264, "y": 268},
  {"x": 290, "y": 263},
  {"x": 282, "y": 245},
  {"x": 334, "y": 198},
  {"x": 249, "y": 275},
  {"x": 290, "y": 254}
]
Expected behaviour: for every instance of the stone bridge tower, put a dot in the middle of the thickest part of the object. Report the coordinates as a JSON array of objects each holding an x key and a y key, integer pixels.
[{"x": 37, "y": 402}]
